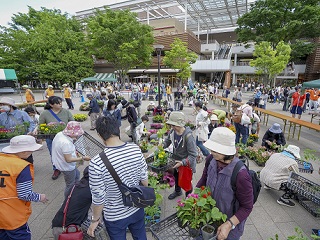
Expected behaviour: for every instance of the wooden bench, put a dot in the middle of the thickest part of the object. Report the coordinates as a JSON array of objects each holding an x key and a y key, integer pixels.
[
  {"x": 294, "y": 122},
  {"x": 266, "y": 113},
  {"x": 315, "y": 116}
]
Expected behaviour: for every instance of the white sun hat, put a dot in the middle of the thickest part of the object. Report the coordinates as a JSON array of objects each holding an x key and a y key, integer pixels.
[
  {"x": 222, "y": 140},
  {"x": 22, "y": 143},
  {"x": 294, "y": 150}
]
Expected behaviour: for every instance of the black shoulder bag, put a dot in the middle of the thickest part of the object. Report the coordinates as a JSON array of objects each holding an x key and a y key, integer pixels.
[{"x": 136, "y": 196}]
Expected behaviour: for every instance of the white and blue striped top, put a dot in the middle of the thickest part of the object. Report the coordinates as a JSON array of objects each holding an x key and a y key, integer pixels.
[{"x": 130, "y": 165}]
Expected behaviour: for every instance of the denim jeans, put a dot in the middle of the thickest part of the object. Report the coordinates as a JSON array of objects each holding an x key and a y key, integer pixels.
[
  {"x": 202, "y": 148},
  {"x": 243, "y": 131},
  {"x": 135, "y": 223},
  {"x": 49, "y": 145},
  {"x": 177, "y": 105},
  {"x": 70, "y": 177},
  {"x": 20, "y": 233}
]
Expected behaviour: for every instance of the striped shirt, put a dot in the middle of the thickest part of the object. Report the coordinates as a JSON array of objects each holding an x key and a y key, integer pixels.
[
  {"x": 131, "y": 167},
  {"x": 24, "y": 186}
]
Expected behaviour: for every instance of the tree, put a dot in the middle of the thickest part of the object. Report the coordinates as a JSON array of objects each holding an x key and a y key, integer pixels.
[
  {"x": 45, "y": 45},
  {"x": 120, "y": 39},
  {"x": 291, "y": 21},
  {"x": 269, "y": 61},
  {"x": 179, "y": 57}
]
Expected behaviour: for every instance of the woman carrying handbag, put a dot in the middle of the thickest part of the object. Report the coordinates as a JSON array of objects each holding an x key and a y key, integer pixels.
[{"x": 184, "y": 152}]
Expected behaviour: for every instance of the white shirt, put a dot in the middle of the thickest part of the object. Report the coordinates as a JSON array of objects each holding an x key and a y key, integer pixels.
[
  {"x": 61, "y": 145},
  {"x": 139, "y": 130},
  {"x": 255, "y": 117}
]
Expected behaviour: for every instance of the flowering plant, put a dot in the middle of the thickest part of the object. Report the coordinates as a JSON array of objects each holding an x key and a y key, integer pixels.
[
  {"x": 160, "y": 157},
  {"x": 19, "y": 129},
  {"x": 144, "y": 146},
  {"x": 199, "y": 209},
  {"x": 52, "y": 127},
  {"x": 80, "y": 117}
]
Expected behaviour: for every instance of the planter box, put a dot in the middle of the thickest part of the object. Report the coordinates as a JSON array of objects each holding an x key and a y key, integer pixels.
[
  {"x": 169, "y": 229},
  {"x": 304, "y": 187},
  {"x": 5, "y": 140},
  {"x": 159, "y": 169},
  {"x": 45, "y": 136},
  {"x": 310, "y": 206},
  {"x": 304, "y": 167}
]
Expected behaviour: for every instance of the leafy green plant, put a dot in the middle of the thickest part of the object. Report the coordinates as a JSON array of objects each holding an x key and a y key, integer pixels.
[
  {"x": 100, "y": 103},
  {"x": 158, "y": 119},
  {"x": 299, "y": 236},
  {"x": 144, "y": 146},
  {"x": 309, "y": 155},
  {"x": 84, "y": 107},
  {"x": 39, "y": 104},
  {"x": 199, "y": 209}
]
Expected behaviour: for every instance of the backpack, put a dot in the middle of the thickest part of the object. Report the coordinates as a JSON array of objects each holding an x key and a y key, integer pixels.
[
  {"x": 256, "y": 184},
  {"x": 238, "y": 115}
]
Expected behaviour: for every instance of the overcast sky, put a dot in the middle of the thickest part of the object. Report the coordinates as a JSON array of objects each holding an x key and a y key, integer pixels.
[{"x": 10, "y": 7}]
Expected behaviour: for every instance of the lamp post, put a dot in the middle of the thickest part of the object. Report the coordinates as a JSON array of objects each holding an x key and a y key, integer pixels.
[{"x": 158, "y": 49}]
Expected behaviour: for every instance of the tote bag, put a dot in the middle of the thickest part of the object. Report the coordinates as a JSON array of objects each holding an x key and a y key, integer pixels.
[{"x": 185, "y": 177}]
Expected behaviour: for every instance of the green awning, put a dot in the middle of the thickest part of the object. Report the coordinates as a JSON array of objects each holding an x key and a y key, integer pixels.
[
  {"x": 90, "y": 79},
  {"x": 8, "y": 74},
  {"x": 106, "y": 77},
  {"x": 312, "y": 84}
]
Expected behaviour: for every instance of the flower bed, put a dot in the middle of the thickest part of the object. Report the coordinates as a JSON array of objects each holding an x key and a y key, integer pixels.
[
  {"x": 161, "y": 161},
  {"x": 48, "y": 131}
]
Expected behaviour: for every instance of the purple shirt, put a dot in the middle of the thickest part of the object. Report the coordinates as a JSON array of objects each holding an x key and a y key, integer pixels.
[{"x": 243, "y": 183}]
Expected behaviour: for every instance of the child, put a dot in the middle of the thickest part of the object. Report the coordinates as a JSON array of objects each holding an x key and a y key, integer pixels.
[
  {"x": 140, "y": 128},
  {"x": 33, "y": 114}
]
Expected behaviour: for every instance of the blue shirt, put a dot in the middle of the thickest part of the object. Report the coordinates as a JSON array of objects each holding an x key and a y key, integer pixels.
[
  {"x": 16, "y": 117},
  {"x": 258, "y": 94}
]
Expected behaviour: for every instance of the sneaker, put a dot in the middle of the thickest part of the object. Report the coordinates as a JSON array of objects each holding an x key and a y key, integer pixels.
[
  {"x": 285, "y": 202},
  {"x": 174, "y": 195},
  {"x": 266, "y": 187},
  {"x": 56, "y": 174}
]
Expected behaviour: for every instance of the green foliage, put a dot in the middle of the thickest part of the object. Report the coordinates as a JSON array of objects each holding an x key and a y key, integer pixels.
[
  {"x": 120, "y": 39},
  {"x": 309, "y": 155},
  {"x": 287, "y": 20},
  {"x": 299, "y": 236},
  {"x": 270, "y": 61},
  {"x": 160, "y": 157},
  {"x": 19, "y": 129},
  {"x": 179, "y": 57},
  {"x": 199, "y": 209},
  {"x": 158, "y": 119},
  {"x": 45, "y": 45}
]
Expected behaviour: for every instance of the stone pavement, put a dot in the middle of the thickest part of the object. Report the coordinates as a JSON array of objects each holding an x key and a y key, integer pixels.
[{"x": 267, "y": 218}]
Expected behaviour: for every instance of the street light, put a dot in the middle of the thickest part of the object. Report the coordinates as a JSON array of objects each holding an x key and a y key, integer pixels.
[{"x": 158, "y": 49}]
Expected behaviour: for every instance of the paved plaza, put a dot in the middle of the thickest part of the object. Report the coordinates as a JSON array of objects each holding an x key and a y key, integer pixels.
[{"x": 267, "y": 218}]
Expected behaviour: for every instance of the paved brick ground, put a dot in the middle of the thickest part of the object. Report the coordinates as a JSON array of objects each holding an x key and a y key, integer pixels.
[{"x": 267, "y": 219}]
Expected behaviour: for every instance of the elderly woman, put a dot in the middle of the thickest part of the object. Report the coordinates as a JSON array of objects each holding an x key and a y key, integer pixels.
[
  {"x": 273, "y": 135},
  {"x": 202, "y": 131},
  {"x": 54, "y": 113},
  {"x": 64, "y": 154},
  {"x": 217, "y": 175},
  {"x": 277, "y": 170},
  {"x": 184, "y": 148}
]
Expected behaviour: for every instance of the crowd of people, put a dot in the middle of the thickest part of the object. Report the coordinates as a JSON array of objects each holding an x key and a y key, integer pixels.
[{"x": 97, "y": 188}]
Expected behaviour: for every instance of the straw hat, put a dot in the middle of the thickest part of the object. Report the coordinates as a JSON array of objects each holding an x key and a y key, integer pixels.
[
  {"x": 9, "y": 101},
  {"x": 222, "y": 140},
  {"x": 22, "y": 143}
]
